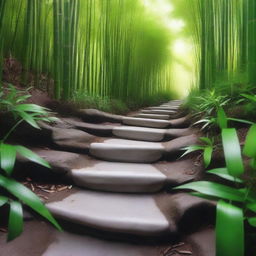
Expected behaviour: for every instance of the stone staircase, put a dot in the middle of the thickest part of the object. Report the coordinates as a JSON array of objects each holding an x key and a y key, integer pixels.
[{"x": 123, "y": 170}]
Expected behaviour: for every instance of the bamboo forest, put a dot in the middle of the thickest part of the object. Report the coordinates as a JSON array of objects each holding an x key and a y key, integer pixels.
[{"x": 128, "y": 127}]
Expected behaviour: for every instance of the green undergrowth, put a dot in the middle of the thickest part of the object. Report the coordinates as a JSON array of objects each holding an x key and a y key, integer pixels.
[{"x": 82, "y": 99}]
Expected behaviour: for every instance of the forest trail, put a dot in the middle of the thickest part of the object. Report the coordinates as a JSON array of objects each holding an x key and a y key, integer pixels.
[{"x": 122, "y": 170}]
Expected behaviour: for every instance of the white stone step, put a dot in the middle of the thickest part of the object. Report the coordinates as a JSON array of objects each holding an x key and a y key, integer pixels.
[
  {"x": 118, "y": 213},
  {"x": 122, "y": 177},
  {"x": 154, "y": 123},
  {"x": 153, "y": 116}
]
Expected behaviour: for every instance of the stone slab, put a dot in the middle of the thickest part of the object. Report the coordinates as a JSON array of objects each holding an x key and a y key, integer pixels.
[
  {"x": 118, "y": 213},
  {"x": 139, "y": 133},
  {"x": 158, "y": 111},
  {"x": 154, "y": 123},
  {"x": 153, "y": 116},
  {"x": 135, "y": 153},
  {"x": 121, "y": 177}
]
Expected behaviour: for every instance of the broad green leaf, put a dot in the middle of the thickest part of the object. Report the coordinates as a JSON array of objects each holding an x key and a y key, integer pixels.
[
  {"x": 7, "y": 157},
  {"x": 223, "y": 173},
  {"x": 215, "y": 190},
  {"x": 250, "y": 142},
  {"x": 252, "y": 207},
  {"x": 232, "y": 152},
  {"x": 32, "y": 156},
  {"x": 15, "y": 223},
  {"x": 28, "y": 197},
  {"x": 222, "y": 118},
  {"x": 3, "y": 200},
  {"x": 249, "y": 97},
  {"x": 207, "y": 156},
  {"x": 252, "y": 221},
  {"x": 29, "y": 119},
  {"x": 229, "y": 230}
]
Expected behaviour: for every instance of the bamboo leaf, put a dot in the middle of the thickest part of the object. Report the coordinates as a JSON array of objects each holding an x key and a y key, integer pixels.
[
  {"x": 223, "y": 173},
  {"x": 15, "y": 224},
  {"x": 250, "y": 142},
  {"x": 215, "y": 190},
  {"x": 3, "y": 200},
  {"x": 207, "y": 156},
  {"x": 229, "y": 230},
  {"x": 232, "y": 152},
  {"x": 32, "y": 156},
  {"x": 7, "y": 157},
  {"x": 28, "y": 197},
  {"x": 222, "y": 118}
]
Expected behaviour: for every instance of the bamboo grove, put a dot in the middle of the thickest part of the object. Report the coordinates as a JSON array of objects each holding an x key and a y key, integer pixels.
[
  {"x": 110, "y": 48},
  {"x": 225, "y": 37}
]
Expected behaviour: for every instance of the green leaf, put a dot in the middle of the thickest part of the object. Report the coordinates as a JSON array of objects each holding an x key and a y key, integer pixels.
[
  {"x": 207, "y": 156},
  {"x": 29, "y": 119},
  {"x": 222, "y": 118},
  {"x": 232, "y": 152},
  {"x": 251, "y": 207},
  {"x": 229, "y": 230},
  {"x": 31, "y": 108},
  {"x": 215, "y": 190},
  {"x": 7, "y": 157},
  {"x": 28, "y": 197},
  {"x": 15, "y": 224},
  {"x": 240, "y": 120},
  {"x": 223, "y": 173},
  {"x": 3, "y": 200},
  {"x": 250, "y": 142},
  {"x": 249, "y": 97},
  {"x": 32, "y": 156},
  {"x": 206, "y": 140},
  {"x": 252, "y": 221},
  {"x": 191, "y": 149}
]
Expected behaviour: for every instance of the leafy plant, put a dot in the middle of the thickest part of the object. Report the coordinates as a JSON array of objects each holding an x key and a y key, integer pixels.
[
  {"x": 207, "y": 149},
  {"x": 15, "y": 193},
  {"x": 235, "y": 203}
]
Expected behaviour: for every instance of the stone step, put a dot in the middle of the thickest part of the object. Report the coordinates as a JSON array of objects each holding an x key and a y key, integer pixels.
[
  {"x": 90, "y": 173},
  {"x": 127, "y": 151},
  {"x": 164, "y": 108},
  {"x": 159, "y": 111},
  {"x": 121, "y": 150},
  {"x": 41, "y": 239},
  {"x": 153, "y": 116},
  {"x": 145, "y": 122},
  {"x": 150, "y": 134},
  {"x": 130, "y": 214}
]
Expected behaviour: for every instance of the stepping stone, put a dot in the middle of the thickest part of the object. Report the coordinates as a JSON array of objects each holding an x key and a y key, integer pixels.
[
  {"x": 150, "y": 134},
  {"x": 139, "y": 152},
  {"x": 153, "y": 116},
  {"x": 139, "y": 133},
  {"x": 122, "y": 177},
  {"x": 154, "y": 123},
  {"x": 114, "y": 213},
  {"x": 157, "y": 216},
  {"x": 127, "y": 151},
  {"x": 68, "y": 244},
  {"x": 88, "y": 172},
  {"x": 158, "y": 111},
  {"x": 164, "y": 108}
]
